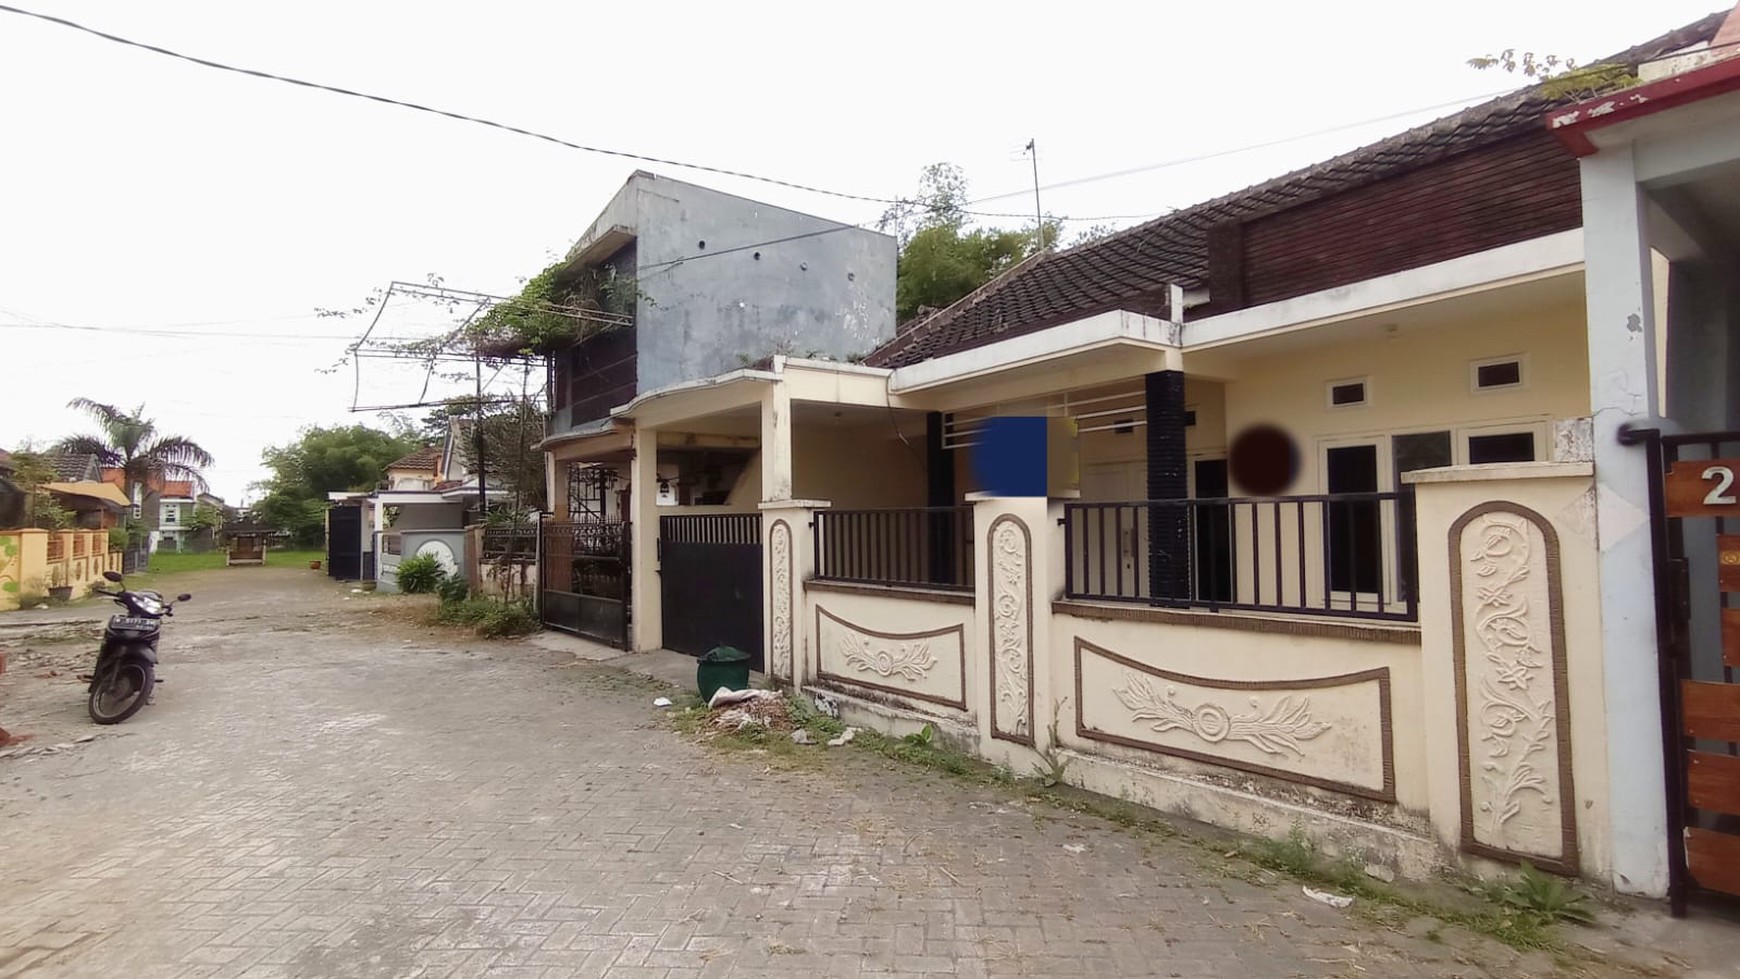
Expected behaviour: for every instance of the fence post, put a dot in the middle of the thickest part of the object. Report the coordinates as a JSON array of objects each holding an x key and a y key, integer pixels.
[{"x": 1018, "y": 572}]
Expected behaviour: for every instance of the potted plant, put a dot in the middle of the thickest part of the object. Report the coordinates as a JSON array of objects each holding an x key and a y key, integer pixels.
[{"x": 58, "y": 589}]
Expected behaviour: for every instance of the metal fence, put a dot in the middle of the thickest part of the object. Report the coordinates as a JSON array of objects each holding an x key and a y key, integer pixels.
[
  {"x": 1349, "y": 555},
  {"x": 925, "y": 547},
  {"x": 522, "y": 542}
]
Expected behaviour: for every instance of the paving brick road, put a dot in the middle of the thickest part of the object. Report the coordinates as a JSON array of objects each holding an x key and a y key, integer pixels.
[{"x": 320, "y": 792}]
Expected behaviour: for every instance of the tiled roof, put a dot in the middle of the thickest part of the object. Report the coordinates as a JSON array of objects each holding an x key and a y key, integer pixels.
[
  {"x": 1131, "y": 269},
  {"x": 73, "y": 468},
  {"x": 428, "y": 457}
]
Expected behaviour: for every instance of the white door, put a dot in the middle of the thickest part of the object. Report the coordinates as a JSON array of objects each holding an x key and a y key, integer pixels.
[{"x": 1111, "y": 539}]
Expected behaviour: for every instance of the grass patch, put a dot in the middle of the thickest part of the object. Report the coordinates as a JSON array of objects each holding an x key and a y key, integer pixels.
[{"x": 489, "y": 617}]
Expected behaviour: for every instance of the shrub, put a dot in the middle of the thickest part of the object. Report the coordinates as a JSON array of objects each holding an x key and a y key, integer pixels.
[
  {"x": 453, "y": 589},
  {"x": 420, "y": 575},
  {"x": 490, "y": 618}
]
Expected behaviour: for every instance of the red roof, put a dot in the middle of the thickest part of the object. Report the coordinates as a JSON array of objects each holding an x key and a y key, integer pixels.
[
  {"x": 153, "y": 484},
  {"x": 1574, "y": 124}
]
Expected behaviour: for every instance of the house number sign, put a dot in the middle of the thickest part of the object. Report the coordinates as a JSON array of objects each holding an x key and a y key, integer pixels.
[{"x": 1703, "y": 488}]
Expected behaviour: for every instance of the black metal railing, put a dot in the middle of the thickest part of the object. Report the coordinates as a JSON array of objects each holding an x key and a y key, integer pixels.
[
  {"x": 925, "y": 547},
  {"x": 1347, "y": 555},
  {"x": 499, "y": 542}
]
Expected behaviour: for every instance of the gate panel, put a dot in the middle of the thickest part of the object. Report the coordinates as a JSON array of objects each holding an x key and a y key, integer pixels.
[
  {"x": 344, "y": 543},
  {"x": 1696, "y": 523},
  {"x": 583, "y": 579},
  {"x": 710, "y": 581}
]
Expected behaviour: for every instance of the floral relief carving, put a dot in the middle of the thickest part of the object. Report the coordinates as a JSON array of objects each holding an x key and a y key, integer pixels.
[
  {"x": 911, "y": 661},
  {"x": 1516, "y": 696},
  {"x": 1274, "y": 732},
  {"x": 1011, "y": 641},
  {"x": 780, "y": 549},
  {"x": 1513, "y": 723}
]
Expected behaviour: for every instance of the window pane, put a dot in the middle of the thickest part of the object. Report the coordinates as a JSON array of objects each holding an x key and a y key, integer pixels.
[
  {"x": 1347, "y": 394},
  {"x": 1499, "y": 375},
  {"x": 1511, "y": 447}
]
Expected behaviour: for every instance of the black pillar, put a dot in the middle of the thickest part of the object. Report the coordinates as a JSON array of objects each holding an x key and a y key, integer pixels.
[
  {"x": 1168, "y": 526},
  {"x": 939, "y": 470}
]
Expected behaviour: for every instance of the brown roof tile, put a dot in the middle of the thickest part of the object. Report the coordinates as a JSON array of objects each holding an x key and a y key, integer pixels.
[
  {"x": 428, "y": 457},
  {"x": 1132, "y": 269}
]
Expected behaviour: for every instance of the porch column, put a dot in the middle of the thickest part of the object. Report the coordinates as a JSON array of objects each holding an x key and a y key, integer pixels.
[
  {"x": 556, "y": 486},
  {"x": 645, "y": 600},
  {"x": 1168, "y": 527},
  {"x": 939, "y": 471},
  {"x": 776, "y": 480},
  {"x": 1622, "y": 388}
]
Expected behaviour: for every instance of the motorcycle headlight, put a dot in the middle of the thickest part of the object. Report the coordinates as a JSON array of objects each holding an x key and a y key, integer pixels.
[{"x": 150, "y": 606}]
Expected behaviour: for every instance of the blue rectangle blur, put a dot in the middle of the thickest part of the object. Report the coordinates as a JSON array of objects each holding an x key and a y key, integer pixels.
[{"x": 1010, "y": 458}]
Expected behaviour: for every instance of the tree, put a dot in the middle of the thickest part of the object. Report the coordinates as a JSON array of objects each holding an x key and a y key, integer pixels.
[
  {"x": 206, "y": 516},
  {"x": 942, "y": 261},
  {"x": 323, "y": 460},
  {"x": 131, "y": 443},
  {"x": 30, "y": 471}
]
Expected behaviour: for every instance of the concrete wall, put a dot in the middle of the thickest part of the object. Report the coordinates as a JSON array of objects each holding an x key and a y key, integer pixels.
[
  {"x": 455, "y": 540},
  {"x": 429, "y": 516},
  {"x": 857, "y": 467},
  {"x": 830, "y": 294},
  {"x": 1419, "y": 381},
  {"x": 29, "y": 565}
]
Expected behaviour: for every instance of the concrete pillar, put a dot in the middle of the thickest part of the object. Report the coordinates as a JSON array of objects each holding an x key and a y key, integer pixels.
[
  {"x": 1019, "y": 571},
  {"x": 1622, "y": 379},
  {"x": 556, "y": 486},
  {"x": 1168, "y": 527},
  {"x": 776, "y": 457},
  {"x": 788, "y": 557},
  {"x": 647, "y": 607}
]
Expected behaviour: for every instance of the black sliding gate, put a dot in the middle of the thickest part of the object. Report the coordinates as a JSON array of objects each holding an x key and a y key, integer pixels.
[{"x": 710, "y": 583}]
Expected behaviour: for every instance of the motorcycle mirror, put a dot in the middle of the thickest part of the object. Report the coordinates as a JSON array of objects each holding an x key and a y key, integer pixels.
[
  {"x": 184, "y": 597},
  {"x": 113, "y": 575}
]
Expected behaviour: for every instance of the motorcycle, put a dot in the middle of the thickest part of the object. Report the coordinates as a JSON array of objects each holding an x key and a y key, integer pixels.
[{"x": 126, "y": 667}]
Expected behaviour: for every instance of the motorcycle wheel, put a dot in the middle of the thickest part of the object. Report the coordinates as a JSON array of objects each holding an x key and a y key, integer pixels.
[{"x": 121, "y": 694}]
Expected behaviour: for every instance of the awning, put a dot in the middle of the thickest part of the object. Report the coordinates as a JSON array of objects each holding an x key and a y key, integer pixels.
[{"x": 106, "y": 492}]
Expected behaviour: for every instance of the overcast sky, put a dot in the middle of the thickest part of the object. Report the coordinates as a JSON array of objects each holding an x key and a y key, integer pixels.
[{"x": 217, "y": 211}]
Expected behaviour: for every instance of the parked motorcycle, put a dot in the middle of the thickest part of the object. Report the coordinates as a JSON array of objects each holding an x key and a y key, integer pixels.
[{"x": 126, "y": 667}]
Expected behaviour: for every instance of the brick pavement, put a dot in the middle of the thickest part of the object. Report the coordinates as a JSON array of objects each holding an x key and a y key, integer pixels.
[{"x": 312, "y": 795}]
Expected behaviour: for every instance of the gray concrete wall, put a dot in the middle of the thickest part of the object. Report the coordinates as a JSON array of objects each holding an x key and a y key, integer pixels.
[{"x": 828, "y": 294}]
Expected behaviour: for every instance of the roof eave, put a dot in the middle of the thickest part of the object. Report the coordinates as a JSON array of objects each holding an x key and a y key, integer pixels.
[{"x": 1576, "y": 125}]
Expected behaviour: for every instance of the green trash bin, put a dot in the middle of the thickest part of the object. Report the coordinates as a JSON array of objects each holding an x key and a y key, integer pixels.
[{"x": 723, "y": 666}]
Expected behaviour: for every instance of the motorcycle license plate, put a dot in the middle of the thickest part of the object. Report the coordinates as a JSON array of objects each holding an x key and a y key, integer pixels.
[{"x": 133, "y": 622}]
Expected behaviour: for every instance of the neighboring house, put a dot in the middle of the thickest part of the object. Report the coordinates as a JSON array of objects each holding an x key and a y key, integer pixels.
[
  {"x": 430, "y": 496},
  {"x": 11, "y": 497},
  {"x": 164, "y": 507},
  {"x": 717, "y": 282},
  {"x": 1306, "y": 506}
]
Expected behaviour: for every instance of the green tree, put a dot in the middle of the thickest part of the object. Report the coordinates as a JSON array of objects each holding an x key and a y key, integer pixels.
[
  {"x": 941, "y": 258},
  {"x": 206, "y": 516},
  {"x": 130, "y": 442},
  {"x": 350, "y": 458},
  {"x": 30, "y": 471}
]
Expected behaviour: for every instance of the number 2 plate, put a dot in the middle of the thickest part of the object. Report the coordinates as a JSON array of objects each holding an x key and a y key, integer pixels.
[{"x": 1703, "y": 488}]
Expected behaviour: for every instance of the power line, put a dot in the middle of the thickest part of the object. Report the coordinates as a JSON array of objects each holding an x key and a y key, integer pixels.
[
  {"x": 418, "y": 107},
  {"x": 517, "y": 130},
  {"x": 186, "y": 334},
  {"x": 1218, "y": 154}
]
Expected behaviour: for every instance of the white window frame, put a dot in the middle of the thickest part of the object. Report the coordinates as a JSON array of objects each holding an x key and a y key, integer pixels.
[
  {"x": 1540, "y": 430},
  {"x": 1522, "y": 368},
  {"x": 1389, "y": 568},
  {"x": 169, "y": 514},
  {"x": 1329, "y": 393}
]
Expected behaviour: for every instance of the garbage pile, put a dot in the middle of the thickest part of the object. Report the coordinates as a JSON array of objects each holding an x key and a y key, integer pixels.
[{"x": 735, "y": 710}]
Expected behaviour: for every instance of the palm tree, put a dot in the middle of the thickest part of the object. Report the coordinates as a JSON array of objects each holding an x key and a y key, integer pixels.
[{"x": 130, "y": 442}]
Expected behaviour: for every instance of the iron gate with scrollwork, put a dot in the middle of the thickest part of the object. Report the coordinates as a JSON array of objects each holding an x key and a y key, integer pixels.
[{"x": 583, "y": 579}]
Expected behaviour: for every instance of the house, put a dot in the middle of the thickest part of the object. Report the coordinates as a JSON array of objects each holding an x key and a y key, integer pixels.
[
  {"x": 1304, "y": 507},
  {"x": 715, "y": 282},
  {"x": 73, "y": 482},
  {"x": 429, "y": 498}
]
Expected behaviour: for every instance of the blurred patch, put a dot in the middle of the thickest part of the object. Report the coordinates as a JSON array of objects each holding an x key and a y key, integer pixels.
[
  {"x": 1010, "y": 459},
  {"x": 1264, "y": 461}
]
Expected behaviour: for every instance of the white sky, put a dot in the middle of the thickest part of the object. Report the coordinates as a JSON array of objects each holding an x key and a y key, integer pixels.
[{"x": 140, "y": 192}]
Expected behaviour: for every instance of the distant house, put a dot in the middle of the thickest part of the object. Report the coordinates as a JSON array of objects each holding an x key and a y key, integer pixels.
[
  {"x": 11, "y": 497},
  {"x": 164, "y": 506}
]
